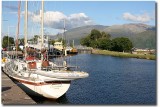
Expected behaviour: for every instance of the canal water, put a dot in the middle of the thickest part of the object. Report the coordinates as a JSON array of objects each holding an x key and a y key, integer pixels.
[{"x": 112, "y": 80}]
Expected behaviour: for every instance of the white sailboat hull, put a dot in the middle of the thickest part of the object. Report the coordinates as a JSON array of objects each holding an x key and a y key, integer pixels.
[
  {"x": 51, "y": 91},
  {"x": 49, "y": 84}
]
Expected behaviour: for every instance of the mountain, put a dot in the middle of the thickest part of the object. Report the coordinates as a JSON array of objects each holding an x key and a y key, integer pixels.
[
  {"x": 80, "y": 32},
  {"x": 127, "y": 29},
  {"x": 136, "y": 32},
  {"x": 77, "y": 33},
  {"x": 146, "y": 39}
]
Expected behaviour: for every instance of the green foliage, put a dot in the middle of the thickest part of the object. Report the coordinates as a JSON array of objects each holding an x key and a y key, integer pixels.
[
  {"x": 21, "y": 40},
  {"x": 35, "y": 38},
  {"x": 105, "y": 44},
  {"x": 121, "y": 44},
  {"x": 105, "y": 35},
  {"x": 5, "y": 41},
  {"x": 94, "y": 44},
  {"x": 95, "y": 34},
  {"x": 101, "y": 40},
  {"x": 86, "y": 41},
  {"x": 96, "y": 39},
  {"x": 124, "y": 55}
]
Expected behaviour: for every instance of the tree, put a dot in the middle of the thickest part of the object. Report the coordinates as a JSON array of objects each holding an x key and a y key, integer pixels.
[
  {"x": 104, "y": 44},
  {"x": 121, "y": 44},
  {"x": 97, "y": 39},
  {"x": 95, "y": 34},
  {"x": 7, "y": 40},
  {"x": 35, "y": 37},
  {"x": 21, "y": 40},
  {"x": 105, "y": 35},
  {"x": 94, "y": 44},
  {"x": 86, "y": 41}
]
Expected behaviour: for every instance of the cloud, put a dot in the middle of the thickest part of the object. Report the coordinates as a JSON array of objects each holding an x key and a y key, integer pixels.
[
  {"x": 79, "y": 19},
  {"x": 144, "y": 18},
  {"x": 55, "y": 19},
  {"x": 30, "y": 14}
]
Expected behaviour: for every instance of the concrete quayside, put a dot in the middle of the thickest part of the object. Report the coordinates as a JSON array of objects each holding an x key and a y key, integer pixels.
[{"x": 12, "y": 93}]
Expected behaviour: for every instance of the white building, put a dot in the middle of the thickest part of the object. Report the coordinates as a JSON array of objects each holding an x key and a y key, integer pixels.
[{"x": 37, "y": 44}]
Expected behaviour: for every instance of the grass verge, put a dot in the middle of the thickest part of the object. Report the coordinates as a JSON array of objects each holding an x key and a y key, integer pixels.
[{"x": 125, "y": 55}]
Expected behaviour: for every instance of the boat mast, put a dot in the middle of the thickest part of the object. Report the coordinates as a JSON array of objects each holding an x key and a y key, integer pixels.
[
  {"x": 42, "y": 18},
  {"x": 73, "y": 44},
  {"x": 19, "y": 7},
  {"x": 64, "y": 29},
  {"x": 25, "y": 28},
  {"x": 65, "y": 43}
]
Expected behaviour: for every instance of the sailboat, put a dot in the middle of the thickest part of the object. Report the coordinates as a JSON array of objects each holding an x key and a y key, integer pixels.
[{"x": 41, "y": 76}]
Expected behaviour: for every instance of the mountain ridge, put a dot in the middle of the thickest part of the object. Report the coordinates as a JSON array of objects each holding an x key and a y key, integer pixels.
[{"x": 130, "y": 30}]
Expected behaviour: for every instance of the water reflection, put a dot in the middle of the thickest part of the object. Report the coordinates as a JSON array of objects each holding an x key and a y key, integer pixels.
[{"x": 63, "y": 100}]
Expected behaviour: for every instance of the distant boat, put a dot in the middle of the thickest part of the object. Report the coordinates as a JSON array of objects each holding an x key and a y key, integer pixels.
[
  {"x": 69, "y": 50},
  {"x": 72, "y": 51},
  {"x": 41, "y": 75},
  {"x": 58, "y": 46}
]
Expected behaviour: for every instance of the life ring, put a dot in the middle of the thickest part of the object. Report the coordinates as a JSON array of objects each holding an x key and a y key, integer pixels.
[{"x": 3, "y": 59}]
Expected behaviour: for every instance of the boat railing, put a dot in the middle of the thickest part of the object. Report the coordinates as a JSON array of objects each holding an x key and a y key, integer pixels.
[
  {"x": 48, "y": 68},
  {"x": 64, "y": 68}
]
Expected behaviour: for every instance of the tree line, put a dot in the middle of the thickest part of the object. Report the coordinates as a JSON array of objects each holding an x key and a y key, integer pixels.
[
  {"x": 102, "y": 40},
  {"x": 8, "y": 41}
]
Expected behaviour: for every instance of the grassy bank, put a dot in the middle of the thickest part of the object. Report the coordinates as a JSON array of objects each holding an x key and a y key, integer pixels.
[{"x": 121, "y": 54}]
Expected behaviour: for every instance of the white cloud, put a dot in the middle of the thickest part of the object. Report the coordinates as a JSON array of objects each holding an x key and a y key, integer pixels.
[
  {"x": 137, "y": 18},
  {"x": 55, "y": 19},
  {"x": 30, "y": 14}
]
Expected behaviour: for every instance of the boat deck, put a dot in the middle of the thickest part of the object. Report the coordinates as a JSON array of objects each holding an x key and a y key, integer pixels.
[{"x": 17, "y": 76}]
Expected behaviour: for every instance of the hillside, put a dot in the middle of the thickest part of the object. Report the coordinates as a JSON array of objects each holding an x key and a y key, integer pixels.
[
  {"x": 126, "y": 29},
  {"x": 77, "y": 33},
  {"x": 142, "y": 35},
  {"x": 146, "y": 39}
]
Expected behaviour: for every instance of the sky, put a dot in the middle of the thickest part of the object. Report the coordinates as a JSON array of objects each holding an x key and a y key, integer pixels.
[{"x": 76, "y": 14}]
